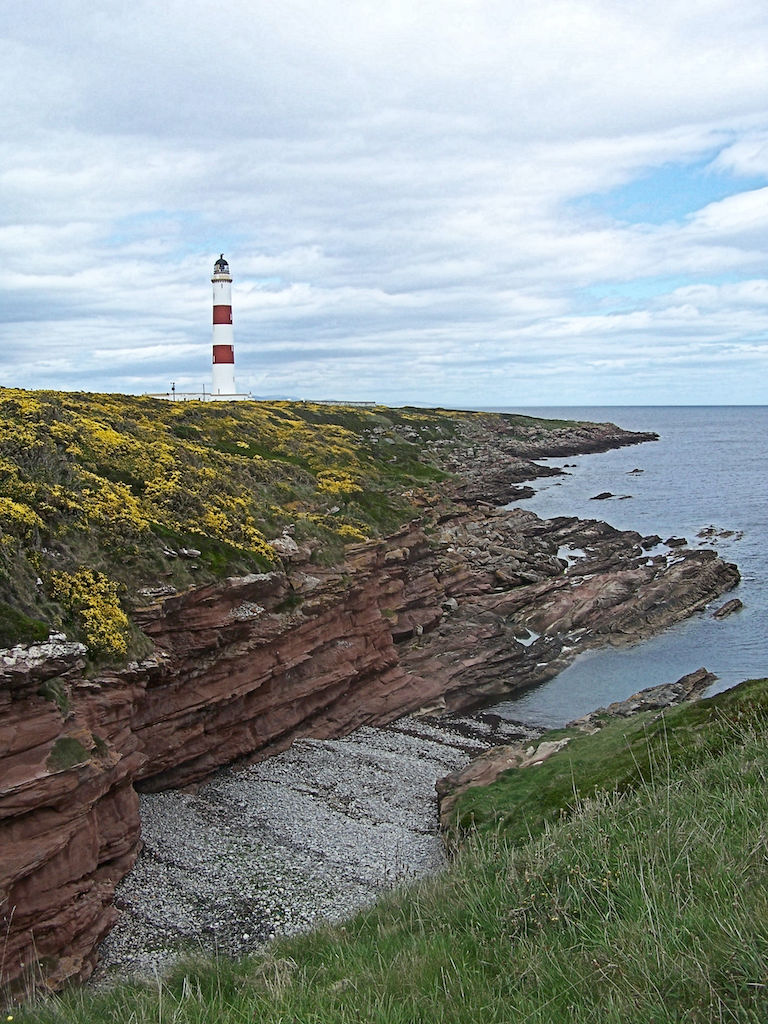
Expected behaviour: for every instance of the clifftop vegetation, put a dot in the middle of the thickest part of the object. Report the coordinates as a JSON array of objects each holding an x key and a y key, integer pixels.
[
  {"x": 103, "y": 496},
  {"x": 99, "y": 495}
]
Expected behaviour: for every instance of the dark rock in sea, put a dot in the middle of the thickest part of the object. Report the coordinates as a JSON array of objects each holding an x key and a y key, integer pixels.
[
  {"x": 710, "y": 532},
  {"x": 650, "y": 541},
  {"x": 602, "y": 496},
  {"x": 675, "y": 542},
  {"x": 654, "y": 698},
  {"x": 734, "y": 605},
  {"x": 634, "y": 472}
]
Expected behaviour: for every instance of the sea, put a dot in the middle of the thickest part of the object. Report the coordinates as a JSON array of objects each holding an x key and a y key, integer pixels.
[{"x": 709, "y": 469}]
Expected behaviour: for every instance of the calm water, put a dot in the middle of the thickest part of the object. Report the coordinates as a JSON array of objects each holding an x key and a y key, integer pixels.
[{"x": 709, "y": 468}]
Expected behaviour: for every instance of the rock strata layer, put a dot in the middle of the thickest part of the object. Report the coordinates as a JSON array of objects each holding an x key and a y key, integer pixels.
[{"x": 451, "y": 611}]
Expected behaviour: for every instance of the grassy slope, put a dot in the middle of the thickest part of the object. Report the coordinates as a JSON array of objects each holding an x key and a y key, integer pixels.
[
  {"x": 617, "y": 758},
  {"x": 649, "y": 905},
  {"x": 111, "y": 484}
]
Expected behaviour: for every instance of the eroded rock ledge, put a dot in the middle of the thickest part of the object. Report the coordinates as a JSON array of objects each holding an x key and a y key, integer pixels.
[{"x": 447, "y": 613}]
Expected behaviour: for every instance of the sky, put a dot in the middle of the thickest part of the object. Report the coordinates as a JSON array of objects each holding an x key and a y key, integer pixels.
[{"x": 443, "y": 202}]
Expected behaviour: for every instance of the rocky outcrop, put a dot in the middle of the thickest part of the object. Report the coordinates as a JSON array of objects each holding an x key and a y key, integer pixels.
[
  {"x": 523, "y": 753},
  {"x": 539, "y": 593},
  {"x": 689, "y": 687},
  {"x": 449, "y": 612},
  {"x": 494, "y": 458}
]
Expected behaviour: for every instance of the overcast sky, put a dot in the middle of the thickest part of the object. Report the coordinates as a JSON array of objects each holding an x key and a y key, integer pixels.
[{"x": 456, "y": 202}]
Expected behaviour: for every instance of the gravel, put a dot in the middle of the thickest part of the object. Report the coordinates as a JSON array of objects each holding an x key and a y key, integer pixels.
[{"x": 310, "y": 836}]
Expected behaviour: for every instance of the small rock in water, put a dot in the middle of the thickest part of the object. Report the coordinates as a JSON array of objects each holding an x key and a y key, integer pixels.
[{"x": 734, "y": 605}]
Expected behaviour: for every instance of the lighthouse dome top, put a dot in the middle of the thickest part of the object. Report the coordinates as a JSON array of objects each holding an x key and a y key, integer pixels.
[{"x": 221, "y": 266}]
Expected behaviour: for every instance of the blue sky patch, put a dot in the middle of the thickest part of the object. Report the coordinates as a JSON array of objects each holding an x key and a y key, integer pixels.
[{"x": 667, "y": 193}]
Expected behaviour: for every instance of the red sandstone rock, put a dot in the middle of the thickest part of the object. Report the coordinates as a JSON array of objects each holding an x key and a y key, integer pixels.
[{"x": 240, "y": 671}]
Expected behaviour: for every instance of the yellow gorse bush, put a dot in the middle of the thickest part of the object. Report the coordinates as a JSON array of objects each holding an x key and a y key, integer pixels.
[
  {"x": 91, "y": 598},
  {"x": 18, "y": 519},
  {"x": 338, "y": 483},
  {"x": 119, "y": 462},
  {"x": 351, "y": 534},
  {"x": 112, "y": 505}
]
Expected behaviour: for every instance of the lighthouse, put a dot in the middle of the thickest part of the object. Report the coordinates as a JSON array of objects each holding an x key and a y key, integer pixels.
[
  {"x": 223, "y": 347},
  {"x": 223, "y": 334}
]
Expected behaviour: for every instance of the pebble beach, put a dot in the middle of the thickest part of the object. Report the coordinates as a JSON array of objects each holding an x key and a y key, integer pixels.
[{"x": 309, "y": 836}]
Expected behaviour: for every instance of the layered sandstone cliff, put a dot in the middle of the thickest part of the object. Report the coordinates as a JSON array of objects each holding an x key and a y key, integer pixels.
[
  {"x": 69, "y": 822},
  {"x": 448, "y": 612}
]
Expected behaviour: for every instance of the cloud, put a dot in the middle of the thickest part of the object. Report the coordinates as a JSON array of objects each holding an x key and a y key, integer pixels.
[
  {"x": 419, "y": 201},
  {"x": 740, "y": 216},
  {"x": 747, "y": 156}
]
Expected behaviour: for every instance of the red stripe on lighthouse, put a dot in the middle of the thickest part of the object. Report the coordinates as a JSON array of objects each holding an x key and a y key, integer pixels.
[
  {"x": 223, "y": 354},
  {"x": 222, "y": 314}
]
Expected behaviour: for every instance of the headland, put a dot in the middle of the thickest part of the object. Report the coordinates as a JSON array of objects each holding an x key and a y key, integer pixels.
[{"x": 388, "y": 580}]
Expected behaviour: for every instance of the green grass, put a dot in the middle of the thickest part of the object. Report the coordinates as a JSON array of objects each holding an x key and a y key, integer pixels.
[
  {"x": 66, "y": 753},
  {"x": 522, "y": 801},
  {"x": 56, "y": 691},
  {"x": 649, "y": 905},
  {"x": 18, "y": 628},
  {"x": 216, "y": 555}
]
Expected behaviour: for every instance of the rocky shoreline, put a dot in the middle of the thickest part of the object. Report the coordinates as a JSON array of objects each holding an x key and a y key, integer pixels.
[{"x": 466, "y": 604}]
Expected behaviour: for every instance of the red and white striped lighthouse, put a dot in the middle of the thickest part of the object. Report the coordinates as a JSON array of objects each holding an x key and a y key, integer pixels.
[{"x": 223, "y": 332}]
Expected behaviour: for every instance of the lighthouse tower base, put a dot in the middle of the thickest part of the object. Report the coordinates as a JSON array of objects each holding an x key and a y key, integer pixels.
[{"x": 223, "y": 380}]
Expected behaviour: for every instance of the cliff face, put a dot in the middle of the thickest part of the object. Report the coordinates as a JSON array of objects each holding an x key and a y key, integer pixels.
[
  {"x": 243, "y": 668},
  {"x": 69, "y": 823},
  {"x": 247, "y": 673},
  {"x": 487, "y": 603}
]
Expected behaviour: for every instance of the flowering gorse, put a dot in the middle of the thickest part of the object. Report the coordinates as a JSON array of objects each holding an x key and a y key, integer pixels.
[
  {"x": 91, "y": 599},
  {"x": 109, "y": 485}
]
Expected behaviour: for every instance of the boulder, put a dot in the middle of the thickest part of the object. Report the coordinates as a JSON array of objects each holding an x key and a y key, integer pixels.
[{"x": 734, "y": 605}]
